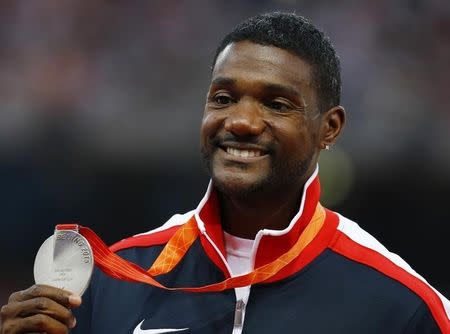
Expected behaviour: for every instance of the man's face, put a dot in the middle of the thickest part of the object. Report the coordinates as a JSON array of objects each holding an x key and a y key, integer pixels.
[{"x": 260, "y": 129}]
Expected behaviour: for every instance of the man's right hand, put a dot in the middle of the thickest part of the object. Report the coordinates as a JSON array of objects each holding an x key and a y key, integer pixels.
[{"x": 40, "y": 308}]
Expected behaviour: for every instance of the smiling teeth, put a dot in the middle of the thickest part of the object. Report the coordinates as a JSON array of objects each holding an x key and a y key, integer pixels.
[{"x": 243, "y": 153}]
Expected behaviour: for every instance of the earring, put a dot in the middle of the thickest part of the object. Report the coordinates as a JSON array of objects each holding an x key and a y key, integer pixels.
[{"x": 327, "y": 147}]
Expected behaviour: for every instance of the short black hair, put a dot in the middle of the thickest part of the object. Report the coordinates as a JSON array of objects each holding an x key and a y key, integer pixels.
[{"x": 296, "y": 34}]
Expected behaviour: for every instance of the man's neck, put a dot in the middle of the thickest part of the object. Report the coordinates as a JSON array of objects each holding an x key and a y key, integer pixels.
[{"x": 244, "y": 216}]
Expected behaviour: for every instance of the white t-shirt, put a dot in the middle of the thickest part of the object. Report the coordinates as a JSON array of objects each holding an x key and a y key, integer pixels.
[
  {"x": 239, "y": 252},
  {"x": 239, "y": 258}
]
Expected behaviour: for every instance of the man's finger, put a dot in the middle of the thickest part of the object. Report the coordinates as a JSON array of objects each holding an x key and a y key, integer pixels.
[
  {"x": 48, "y": 307},
  {"x": 63, "y": 297},
  {"x": 40, "y": 323}
]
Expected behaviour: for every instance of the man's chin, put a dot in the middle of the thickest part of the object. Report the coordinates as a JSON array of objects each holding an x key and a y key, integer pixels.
[{"x": 238, "y": 185}]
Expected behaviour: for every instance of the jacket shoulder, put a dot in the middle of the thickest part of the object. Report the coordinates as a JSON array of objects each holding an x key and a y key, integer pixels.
[
  {"x": 356, "y": 244},
  {"x": 158, "y": 236}
]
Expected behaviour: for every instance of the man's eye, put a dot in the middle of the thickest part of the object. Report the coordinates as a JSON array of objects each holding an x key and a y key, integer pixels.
[
  {"x": 278, "y": 106},
  {"x": 222, "y": 99}
]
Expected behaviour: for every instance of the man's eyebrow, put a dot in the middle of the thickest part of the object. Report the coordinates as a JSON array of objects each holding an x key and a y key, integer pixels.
[
  {"x": 282, "y": 89},
  {"x": 223, "y": 81},
  {"x": 268, "y": 87}
]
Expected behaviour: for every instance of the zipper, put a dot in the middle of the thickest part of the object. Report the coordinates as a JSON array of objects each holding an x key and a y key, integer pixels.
[{"x": 239, "y": 313}]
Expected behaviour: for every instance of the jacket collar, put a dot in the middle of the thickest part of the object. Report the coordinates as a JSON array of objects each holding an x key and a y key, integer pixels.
[{"x": 269, "y": 244}]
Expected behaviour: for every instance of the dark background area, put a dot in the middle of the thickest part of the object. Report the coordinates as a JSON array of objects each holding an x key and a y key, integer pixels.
[{"x": 101, "y": 103}]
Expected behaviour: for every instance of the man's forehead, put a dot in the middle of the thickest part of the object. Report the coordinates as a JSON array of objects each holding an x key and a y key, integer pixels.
[{"x": 252, "y": 59}]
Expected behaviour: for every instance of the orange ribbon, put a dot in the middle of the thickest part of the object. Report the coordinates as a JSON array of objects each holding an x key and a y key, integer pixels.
[{"x": 117, "y": 267}]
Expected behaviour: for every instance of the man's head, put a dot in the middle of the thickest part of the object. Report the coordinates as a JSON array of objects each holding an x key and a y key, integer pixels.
[
  {"x": 271, "y": 106},
  {"x": 295, "y": 34}
]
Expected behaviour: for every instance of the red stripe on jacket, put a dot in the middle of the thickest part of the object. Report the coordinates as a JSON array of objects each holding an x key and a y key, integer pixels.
[
  {"x": 352, "y": 250},
  {"x": 145, "y": 240}
]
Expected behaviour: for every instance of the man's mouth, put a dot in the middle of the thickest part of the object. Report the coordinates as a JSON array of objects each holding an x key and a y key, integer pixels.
[{"x": 243, "y": 153}]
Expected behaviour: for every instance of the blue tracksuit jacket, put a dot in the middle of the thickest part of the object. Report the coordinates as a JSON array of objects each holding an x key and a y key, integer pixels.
[{"x": 344, "y": 281}]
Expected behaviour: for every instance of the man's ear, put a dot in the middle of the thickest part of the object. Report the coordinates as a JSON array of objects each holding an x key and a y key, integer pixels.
[{"x": 333, "y": 122}]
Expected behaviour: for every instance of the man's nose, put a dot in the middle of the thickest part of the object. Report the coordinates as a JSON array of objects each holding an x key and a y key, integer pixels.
[{"x": 245, "y": 119}]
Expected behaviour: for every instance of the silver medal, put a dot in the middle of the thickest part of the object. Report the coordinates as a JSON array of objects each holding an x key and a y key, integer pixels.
[{"x": 65, "y": 261}]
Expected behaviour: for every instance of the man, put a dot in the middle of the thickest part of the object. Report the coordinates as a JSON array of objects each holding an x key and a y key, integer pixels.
[{"x": 272, "y": 106}]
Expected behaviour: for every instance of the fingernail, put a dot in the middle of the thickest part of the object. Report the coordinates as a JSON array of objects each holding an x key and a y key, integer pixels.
[
  {"x": 74, "y": 322},
  {"x": 75, "y": 300}
]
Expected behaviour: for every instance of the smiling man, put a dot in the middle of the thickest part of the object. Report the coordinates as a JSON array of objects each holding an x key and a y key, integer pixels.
[
  {"x": 267, "y": 256},
  {"x": 262, "y": 132}
]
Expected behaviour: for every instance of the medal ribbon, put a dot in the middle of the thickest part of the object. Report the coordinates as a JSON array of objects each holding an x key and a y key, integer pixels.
[{"x": 117, "y": 267}]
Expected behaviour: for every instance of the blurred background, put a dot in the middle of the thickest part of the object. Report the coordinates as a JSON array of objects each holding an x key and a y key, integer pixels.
[{"x": 101, "y": 102}]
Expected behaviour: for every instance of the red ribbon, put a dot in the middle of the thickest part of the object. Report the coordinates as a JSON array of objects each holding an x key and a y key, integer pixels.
[{"x": 119, "y": 268}]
